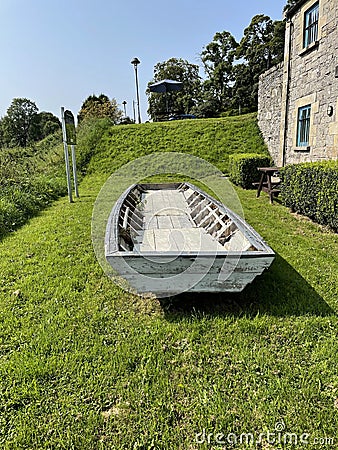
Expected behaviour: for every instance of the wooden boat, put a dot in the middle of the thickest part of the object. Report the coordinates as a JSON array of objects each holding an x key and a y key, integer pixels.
[{"x": 173, "y": 237}]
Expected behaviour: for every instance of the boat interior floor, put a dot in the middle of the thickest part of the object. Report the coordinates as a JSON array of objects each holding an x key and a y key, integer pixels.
[{"x": 168, "y": 226}]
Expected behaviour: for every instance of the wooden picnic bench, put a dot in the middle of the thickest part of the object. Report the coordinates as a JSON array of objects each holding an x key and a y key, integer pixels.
[{"x": 269, "y": 182}]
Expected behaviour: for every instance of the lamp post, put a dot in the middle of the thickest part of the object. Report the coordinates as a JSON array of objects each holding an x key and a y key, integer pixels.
[
  {"x": 134, "y": 116},
  {"x": 135, "y": 62},
  {"x": 124, "y": 108}
]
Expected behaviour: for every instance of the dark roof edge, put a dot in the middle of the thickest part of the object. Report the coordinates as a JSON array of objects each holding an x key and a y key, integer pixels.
[{"x": 293, "y": 9}]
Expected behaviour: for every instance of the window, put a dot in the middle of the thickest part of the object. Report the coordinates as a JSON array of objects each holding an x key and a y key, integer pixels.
[
  {"x": 303, "y": 126},
  {"x": 311, "y": 25}
]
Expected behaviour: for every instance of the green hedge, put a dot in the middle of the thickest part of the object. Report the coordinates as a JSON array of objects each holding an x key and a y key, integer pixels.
[
  {"x": 243, "y": 168},
  {"x": 311, "y": 189}
]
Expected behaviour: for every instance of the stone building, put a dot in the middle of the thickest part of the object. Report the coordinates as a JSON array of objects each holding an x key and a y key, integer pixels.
[{"x": 298, "y": 99}]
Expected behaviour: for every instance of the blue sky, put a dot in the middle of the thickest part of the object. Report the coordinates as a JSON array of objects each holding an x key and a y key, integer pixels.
[{"x": 57, "y": 53}]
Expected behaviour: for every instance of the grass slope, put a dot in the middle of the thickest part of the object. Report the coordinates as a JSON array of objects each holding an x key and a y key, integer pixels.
[
  {"x": 211, "y": 139},
  {"x": 30, "y": 179},
  {"x": 85, "y": 365}
]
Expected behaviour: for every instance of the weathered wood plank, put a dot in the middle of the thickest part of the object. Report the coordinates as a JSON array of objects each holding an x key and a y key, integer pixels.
[
  {"x": 170, "y": 264},
  {"x": 150, "y": 221},
  {"x": 181, "y": 221},
  {"x": 148, "y": 241},
  {"x": 171, "y": 211},
  {"x": 173, "y": 284},
  {"x": 237, "y": 242},
  {"x": 164, "y": 223},
  {"x": 164, "y": 241}
]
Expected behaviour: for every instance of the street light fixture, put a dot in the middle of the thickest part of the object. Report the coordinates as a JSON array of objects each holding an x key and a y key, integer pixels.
[
  {"x": 124, "y": 108},
  {"x": 135, "y": 62}
]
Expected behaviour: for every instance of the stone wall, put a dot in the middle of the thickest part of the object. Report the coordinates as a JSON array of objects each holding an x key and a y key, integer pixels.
[
  {"x": 269, "y": 108},
  {"x": 312, "y": 81},
  {"x": 308, "y": 76}
]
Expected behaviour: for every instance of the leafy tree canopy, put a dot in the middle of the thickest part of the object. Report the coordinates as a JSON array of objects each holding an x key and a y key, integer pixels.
[
  {"x": 45, "y": 123},
  {"x": 232, "y": 72},
  {"x": 24, "y": 125},
  {"x": 261, "y": 47},
  {"x": 179, "y": 102},
  {"x": 218, "y": 59},
  {"x": 99, "y": 107},
  {"x": 17, "y": 125},
  {"x": 255, "y": 46}
]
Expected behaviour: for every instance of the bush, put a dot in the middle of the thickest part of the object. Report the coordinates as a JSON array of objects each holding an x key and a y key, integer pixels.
[
  {"x": 22, "y": 199},
  {"x": 30, "y": 179},
  {"x": 243, "y": 168},
  {"x": 311, "y": 189}
]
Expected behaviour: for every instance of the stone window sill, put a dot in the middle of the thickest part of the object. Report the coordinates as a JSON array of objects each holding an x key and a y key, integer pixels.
[
  {"x": 309, "y": 48},
  {"x": 302, "y": 149}
]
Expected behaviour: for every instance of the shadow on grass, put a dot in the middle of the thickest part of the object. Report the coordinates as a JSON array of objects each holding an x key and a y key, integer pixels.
[{"x": 280, "y": 291}]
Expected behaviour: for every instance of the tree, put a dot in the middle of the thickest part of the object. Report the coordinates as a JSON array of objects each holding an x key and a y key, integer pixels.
[
  {"x": 43, "y": 124},
  {"x": 218, "y": 58},
  {"x": 278, "y": 41},
  {"x": 255, "y": 45},
  {"x": 244, "y": 98},
  {"x": 46, "y": 124},
  {"x": 261, "y": 47},
  {"x": 180, "y": 102},
  {"x": 99, "y": 107},
  {"x": 18, "y": 123}
]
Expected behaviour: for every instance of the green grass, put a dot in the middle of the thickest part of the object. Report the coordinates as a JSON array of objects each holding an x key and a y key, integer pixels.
[
  {"x": 86, "y": 365},
  {"x": 30, "y": 179},
  {"x": 211, "y": 139}
]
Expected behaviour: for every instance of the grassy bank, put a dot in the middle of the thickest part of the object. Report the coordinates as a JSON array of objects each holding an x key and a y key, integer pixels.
[
  {"x": 211, "y": 139},
  {"x": 85, "y": 365},
  {"x": 30, "y": 179}
]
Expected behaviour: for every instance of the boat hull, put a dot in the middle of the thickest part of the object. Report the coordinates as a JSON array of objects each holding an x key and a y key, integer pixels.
[
  {"x": 165, "y": 275},
  {"x": 194, "y": 258}
]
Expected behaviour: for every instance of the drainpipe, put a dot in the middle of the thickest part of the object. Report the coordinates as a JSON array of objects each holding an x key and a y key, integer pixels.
[{"x": 287, "y": 92}]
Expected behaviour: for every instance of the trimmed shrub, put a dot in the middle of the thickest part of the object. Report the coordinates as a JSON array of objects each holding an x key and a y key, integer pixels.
[
  {"x": 311, "y": 189},
  {"x": 243, "y": 168}
]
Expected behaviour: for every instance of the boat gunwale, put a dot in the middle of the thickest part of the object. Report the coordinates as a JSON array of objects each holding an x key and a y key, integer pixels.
[
  {"x": 195, "y": 255},
  {"x": 112, "y": 230}
]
